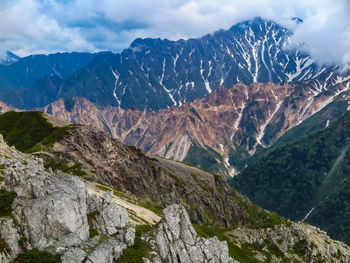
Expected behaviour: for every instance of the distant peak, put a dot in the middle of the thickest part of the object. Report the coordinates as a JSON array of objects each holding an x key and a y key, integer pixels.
[{"x": 9, "y": 58}]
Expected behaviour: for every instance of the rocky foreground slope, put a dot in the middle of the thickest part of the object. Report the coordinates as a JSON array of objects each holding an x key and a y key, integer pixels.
[
  {"x": 156, "y": 182},
  {"x": 49, "y": 216},
  {"x": 51, "y": 211}
]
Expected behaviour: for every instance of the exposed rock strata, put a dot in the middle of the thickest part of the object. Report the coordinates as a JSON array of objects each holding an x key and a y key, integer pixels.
[{"x": 240, "y": 117}]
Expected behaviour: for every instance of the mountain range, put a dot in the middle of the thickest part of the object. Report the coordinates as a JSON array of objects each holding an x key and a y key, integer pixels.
[
  {"x": 238, "y": 101},
  {"x": 157, "y": 74},
  {"x": 151, "y": 87}
]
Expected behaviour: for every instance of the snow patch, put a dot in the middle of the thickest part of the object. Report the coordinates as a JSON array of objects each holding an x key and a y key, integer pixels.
[
  {"x": 263, "y": 127},
  {"x": 116, "y": 76},
  {"x": 206, "y": 82},
  {"x": 301, "y": 65},
  {"x": 161, "y": 83},
  {"x": 308, "y": 214},
  {"x": 240, "y": 114},
  {"x": 327, "y": 124}
]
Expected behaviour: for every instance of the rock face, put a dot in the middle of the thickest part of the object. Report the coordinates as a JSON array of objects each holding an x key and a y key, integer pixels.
[
  {"x": 177, "y": 241},
  {"x": 51, "y": 212},
  {"x": 52, "y": 206}
]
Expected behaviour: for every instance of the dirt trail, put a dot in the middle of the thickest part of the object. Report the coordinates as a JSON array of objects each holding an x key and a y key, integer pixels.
[
  {"x": 134, "y": 210},
  {"x": 137, "y": 213}
]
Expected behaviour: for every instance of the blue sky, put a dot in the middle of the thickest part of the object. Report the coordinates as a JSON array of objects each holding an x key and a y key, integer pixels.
[{"x": 47, "y": 26}]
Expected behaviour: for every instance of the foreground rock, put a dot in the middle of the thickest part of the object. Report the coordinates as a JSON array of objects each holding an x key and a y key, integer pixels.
[
  {"x": 53, "y": 212},
  {"x": 175, "y": 240}
]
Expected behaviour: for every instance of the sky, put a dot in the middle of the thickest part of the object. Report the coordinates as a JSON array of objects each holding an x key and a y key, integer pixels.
[{"x": 49, "y": 26}]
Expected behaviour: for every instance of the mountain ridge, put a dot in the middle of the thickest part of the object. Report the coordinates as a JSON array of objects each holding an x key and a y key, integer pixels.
[
  {"x": 226, "y": 122},
  {"x": 158, "y": 74}
]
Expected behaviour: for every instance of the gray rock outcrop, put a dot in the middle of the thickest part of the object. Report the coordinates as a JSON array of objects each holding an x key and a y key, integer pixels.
[
  {"x": 176, "y": 241},
  {"x": 110, "y": 218},
  {"x": 50, "y": 212},
  {"x": 51, "y": 207}
]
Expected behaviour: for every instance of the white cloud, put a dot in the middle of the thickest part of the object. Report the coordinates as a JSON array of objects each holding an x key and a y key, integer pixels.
[{"x": 32, "y": 26}]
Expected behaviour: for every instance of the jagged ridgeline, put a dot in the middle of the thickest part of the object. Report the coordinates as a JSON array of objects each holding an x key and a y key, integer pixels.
[
  {"x": 67, "y": 206},
  {"x": 157, "y": 74},
  {"x": 306, "y": 179},
  {"x": 184, "y": 99}
]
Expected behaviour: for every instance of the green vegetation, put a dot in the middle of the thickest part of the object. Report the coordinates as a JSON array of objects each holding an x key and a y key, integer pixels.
[
  {"x": 93, "y": 232},
  {"x": 206, "y": 159},
  {"x": 245, "y": 252},
  {"x": 6, "y": 200},
  {"x": 4, "y": 248},
  {"x": 195, "y": 113},
  {"x": 25, "y": 130},
  {"x": 139, "y": 250},
  {"x": 22, "y": 240},
  {"x": 103, "y": 188},
  {"x": 300, "y": 248},
  {"x": 37, "y": 257},
  {"x": 239, "y": 157},
  {"x": 91, "y": 217},
  {"x": 64, "y": 166},
  {"x": 294, "y": 178},
  {"x": 256, "y": 216}
]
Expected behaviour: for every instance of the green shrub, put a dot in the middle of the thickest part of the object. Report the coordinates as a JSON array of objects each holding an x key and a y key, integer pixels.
[
  {"x": 93, "y": 232},
  {"x": 25, "y": 130},
  {"x": 63, "y": 165},
  {"x": 139, "y": 250},
  {"x": 36, "y": 256},
  {"x": 21, "y": 241},
  {"x": 6, "y": 199}
]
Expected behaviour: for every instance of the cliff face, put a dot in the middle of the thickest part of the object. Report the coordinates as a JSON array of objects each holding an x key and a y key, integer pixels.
[{"x": 228, "y": 120}]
